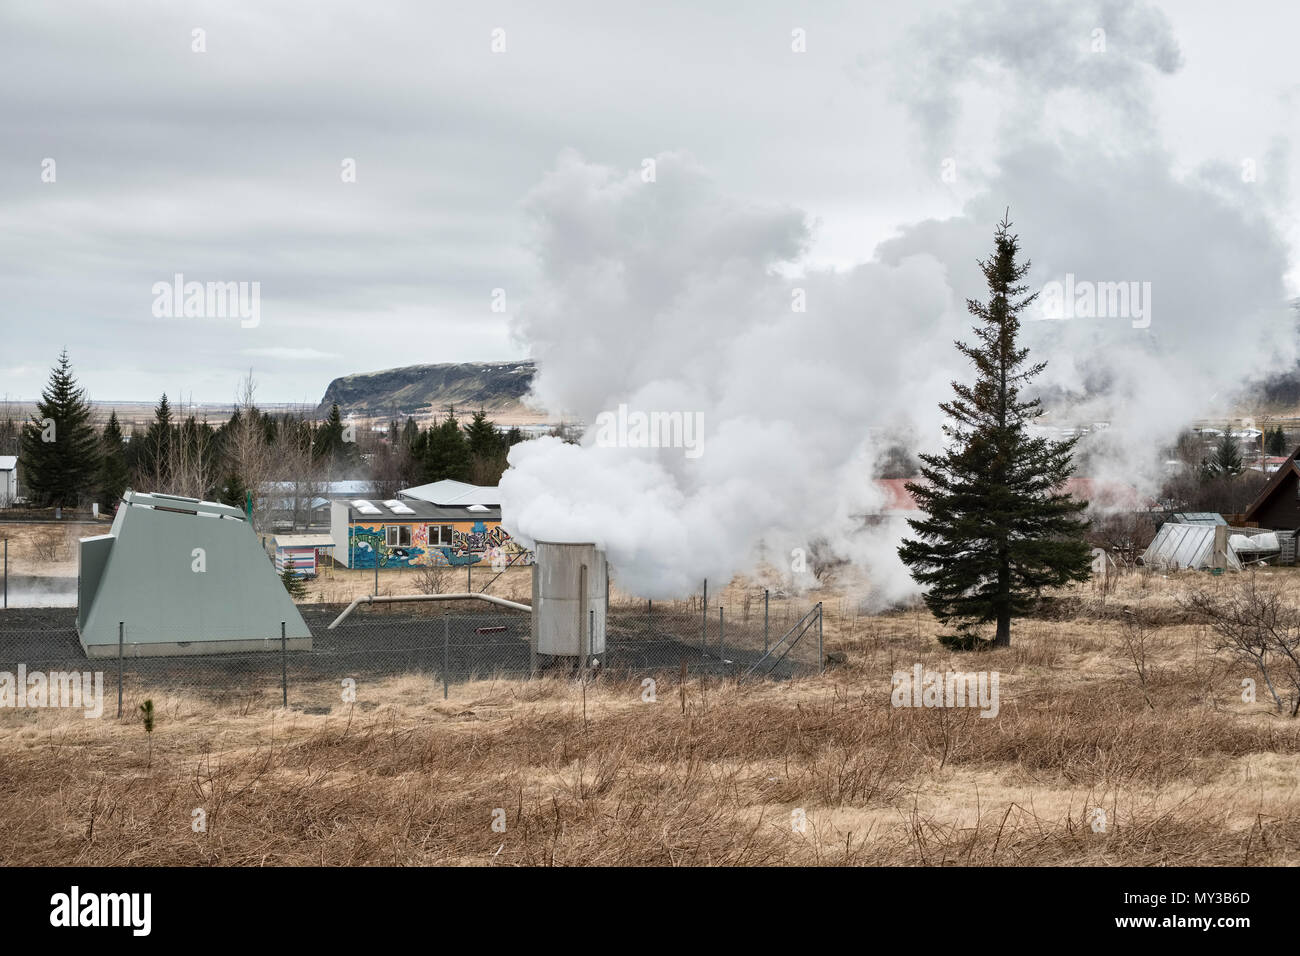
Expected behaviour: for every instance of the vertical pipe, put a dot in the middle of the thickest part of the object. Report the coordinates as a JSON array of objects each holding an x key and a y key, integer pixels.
[
  {"x": 582, "y": 618},
  {"x": 284, "y": 667},
  {"x": 469, "y": 574},
  {"x": 446, "y": 647},
  {"x": 765, "y": 592},
  {"x": 591, "y": 633},
  {"x": 377, "y": 570},
  {"x": 532, "y": 628},
  {"x": 121, "y": 628},
  {"x": 6, "y": 572}
]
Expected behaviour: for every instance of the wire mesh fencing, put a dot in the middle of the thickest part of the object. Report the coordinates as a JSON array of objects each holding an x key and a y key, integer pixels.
[{"x": 411, "y": 651}]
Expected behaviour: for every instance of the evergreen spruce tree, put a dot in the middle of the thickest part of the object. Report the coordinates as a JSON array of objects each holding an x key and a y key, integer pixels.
[
  {"x": 1226, "y": 460},
  {"x": 410, "y": 433},
  {"x": 328, "y": 446},
  {"x": 997, "y": 527},
  {"x": 482, "y": 436},
  {"x": 157, "y": 445},
  {"x": 60, "y": 450},
  {"x": 293, "y": 583},
  {"x": 1277, "y": 442},
  {"x": 114, "y": 475},
  {"x": 446, "y": 454},
  {"x": 233, "y": 491}
]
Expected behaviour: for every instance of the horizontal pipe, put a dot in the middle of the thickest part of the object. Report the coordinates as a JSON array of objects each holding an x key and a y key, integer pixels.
[{"x": 393, "y": 599}]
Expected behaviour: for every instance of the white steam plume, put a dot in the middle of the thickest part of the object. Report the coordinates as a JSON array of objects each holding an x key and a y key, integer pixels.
[{"x": 668, "y": 296}]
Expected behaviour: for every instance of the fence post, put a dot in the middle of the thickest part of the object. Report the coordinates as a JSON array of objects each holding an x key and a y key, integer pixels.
[
  {"x": 469, "y": 575},
  {"x": 121, "y": 628},
  {"x": 376, "y": 572},
  {"x": 722, "y": 639},
  {"x": 821, "y": 659},
  {"x": 764, "y": 620},
  {"x": 6, "y": 572},
  {"x": 649, "y": 619},
  {"x": 446, "y": 645},
  {"x": 284, "y": 667},
  {"x": 591, "y": 634},
  {"x": 704, "y": 618}
]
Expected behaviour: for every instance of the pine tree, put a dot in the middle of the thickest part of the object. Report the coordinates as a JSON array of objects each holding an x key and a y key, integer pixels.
[
  {"x": 328, "y": 445},
  {"x": 233, "y": 491},
  {"x": 1277, "y": 442},
  {"x": 60, "y": 450},
  {"x": 410, "y": 433},
  {"x": 997, "y": 526},
  {"x": 292, "y": 582},
  {"x": 482, "y": 436},
  {"x": 157, "y": 445},
  {"x": 114, "y": 475},
  {"x": 1226, "y": 459},
  {"x": 446, "y": 455}
]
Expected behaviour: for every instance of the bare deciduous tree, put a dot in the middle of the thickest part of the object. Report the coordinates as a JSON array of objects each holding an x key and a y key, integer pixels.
[{"x": 1256, "y": 627}]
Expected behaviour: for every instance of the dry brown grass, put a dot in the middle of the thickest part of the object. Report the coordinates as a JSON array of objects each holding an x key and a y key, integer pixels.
[{"x": 1185, "y": 771}]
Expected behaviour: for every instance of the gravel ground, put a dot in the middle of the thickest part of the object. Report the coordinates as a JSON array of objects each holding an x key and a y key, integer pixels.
[{"x": 375, "y": 643}]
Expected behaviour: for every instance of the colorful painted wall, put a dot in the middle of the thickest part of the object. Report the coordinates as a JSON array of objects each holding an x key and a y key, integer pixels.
[{"x": 476, "y": 542}]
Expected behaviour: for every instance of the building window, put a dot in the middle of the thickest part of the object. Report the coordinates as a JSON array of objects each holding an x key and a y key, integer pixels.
[
  {"x": 445, "y": 535},
  {"x": 398, "y": 535}
]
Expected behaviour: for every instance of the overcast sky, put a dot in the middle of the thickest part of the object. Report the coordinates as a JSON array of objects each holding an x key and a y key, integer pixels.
[{"x": 225, "y": 165}]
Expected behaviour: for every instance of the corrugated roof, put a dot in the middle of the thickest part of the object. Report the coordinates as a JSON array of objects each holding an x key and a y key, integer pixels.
[
  {"x": 1177, "y": 546},
  {"x": 449, "y": 492}
]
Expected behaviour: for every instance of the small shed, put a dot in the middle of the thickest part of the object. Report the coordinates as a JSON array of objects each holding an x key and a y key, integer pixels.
[
  {"x": 181, "y": 576},
  {"x": 1179, "y": 546},
  {"x": 300, "y": 552}
]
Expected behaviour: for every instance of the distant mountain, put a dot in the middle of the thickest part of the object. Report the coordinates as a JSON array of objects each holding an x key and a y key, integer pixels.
[{"x": 422, "y": 390}]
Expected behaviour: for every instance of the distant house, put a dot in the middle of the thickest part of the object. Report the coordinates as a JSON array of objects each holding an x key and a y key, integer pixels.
[
  {"x": 1278, "y": 504},
  {"x": 307, "y": 504},
  {"x": 408, "y": 532},
  {"x": 8, "y": 480}
]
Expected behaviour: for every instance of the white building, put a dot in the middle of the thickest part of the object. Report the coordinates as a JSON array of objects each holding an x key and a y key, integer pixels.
[{"x": 8, "y": 480}]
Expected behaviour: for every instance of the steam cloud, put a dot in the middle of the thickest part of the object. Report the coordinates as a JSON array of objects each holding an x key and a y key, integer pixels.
[{"x": 670, "y": 296}]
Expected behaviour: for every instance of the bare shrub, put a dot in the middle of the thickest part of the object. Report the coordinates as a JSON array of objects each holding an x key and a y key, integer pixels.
[
  {"x": 1137, "y": 632},
  {"x": 49, "y": 548},
  {"x": 1123, "y": 535},
  {"x": 1256, "y": 627},
  {"x": 435, "y": 579}
]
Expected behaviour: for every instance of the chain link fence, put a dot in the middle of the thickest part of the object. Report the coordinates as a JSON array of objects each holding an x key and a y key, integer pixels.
[{"x": 426, "y": 647}]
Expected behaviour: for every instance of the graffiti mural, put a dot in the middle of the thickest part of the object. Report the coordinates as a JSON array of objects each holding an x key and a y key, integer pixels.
[
  {"x": 369, "y": 545},
  {"x": 471, "y": 543}
]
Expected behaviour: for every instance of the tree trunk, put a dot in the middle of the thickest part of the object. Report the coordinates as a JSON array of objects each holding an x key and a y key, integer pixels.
[{"x": 1003, "y": 636}]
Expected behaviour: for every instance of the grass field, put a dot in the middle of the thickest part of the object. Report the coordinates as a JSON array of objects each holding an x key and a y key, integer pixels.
[{"x": 818, "y": 770}]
